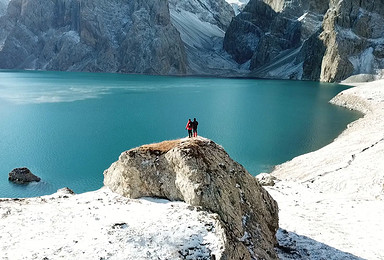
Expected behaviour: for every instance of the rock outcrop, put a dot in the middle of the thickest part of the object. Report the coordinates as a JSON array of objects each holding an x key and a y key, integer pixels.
[
  {"x": 311, "y": 40},
  {"x": 91, "y": 35},
  {"x": 22, "y": 175},
  {"x": 200, "y": 173}
]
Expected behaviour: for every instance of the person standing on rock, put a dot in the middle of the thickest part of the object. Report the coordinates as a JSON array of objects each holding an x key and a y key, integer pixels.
[
  {"x": 189, "y": 128},
  {"x": 194, "y": 127}
]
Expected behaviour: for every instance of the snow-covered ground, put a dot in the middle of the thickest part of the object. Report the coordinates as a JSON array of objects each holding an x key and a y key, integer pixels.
[
  {"x": 105, "y": 225},
  {"x": 332, "y": 200}
]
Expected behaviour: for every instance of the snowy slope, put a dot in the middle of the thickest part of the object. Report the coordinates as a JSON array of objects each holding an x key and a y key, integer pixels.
[
  {"x": 237, "y": 5},
  {"x": 104, "y": 225},
  {"x": 331, "y": 200},
  {"x": 203, "y": 38}
]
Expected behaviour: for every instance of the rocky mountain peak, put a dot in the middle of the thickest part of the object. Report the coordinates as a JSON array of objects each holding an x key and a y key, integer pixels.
[{"x": 200, "y": 173}]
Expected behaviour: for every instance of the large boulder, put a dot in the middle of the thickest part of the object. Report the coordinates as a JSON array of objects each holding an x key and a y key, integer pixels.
[
  {"x": 22, "y": 175},
  {"x": 200, "y": 172}
]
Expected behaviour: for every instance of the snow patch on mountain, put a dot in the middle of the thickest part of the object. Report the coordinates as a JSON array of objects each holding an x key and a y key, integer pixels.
[
  {"x": 364, "y": 62},
  {"x": 237, "y": 5},
  {"x": 203, "y": 38}
]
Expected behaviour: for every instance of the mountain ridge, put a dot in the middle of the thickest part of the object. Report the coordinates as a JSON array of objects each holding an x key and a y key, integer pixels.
[{"x": 322, "y": 40}]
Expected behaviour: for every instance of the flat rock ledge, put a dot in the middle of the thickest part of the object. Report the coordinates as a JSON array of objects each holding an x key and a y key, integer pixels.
[
  {"x": 22, "y": 176},
  {"x": 199, "y": 172}
]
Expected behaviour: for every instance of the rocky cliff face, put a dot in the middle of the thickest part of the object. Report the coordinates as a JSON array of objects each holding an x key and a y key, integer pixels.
[
  {"x": 323, "y": 40},
  {"x": 91, "y": 35},
  {"x": 199, "y": 172},
  {"x": 353, "y": 33}
]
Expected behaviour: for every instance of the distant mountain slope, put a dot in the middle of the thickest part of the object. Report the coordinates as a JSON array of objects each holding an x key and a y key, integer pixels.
[
  {"x": 202, "y": 26},
  {"x": 313, "y": 40}
]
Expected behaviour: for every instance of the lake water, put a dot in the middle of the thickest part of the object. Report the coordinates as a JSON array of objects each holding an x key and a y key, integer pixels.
[{"x": 69, "y": 127}]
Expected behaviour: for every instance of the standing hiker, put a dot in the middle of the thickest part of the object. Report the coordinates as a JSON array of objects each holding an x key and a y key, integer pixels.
[
  {"x": 194, "y": 127},
  {"x": 189, "y": 128}
]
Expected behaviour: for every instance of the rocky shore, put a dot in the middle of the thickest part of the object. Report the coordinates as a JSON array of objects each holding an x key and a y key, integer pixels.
[{"x": 331, "y": 200}]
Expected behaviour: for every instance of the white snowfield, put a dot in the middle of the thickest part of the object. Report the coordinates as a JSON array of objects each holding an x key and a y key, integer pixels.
[
  {"x": 105, "y": 225},
  {"x": 332, "y": 200}
]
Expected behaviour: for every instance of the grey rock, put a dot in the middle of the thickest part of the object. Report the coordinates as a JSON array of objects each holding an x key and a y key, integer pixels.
[
  {"x": 266, "y": 179},
  {"x": 65, "y": 191},
  {"x": 351, "y": 32},
  {"x": 323, "y": 40},
  {"x": 200, "y": 172},
  {"x": 119, "y": 36},
  {"x": 22, "y": 175},
  {"x": 245, "y": 31}
]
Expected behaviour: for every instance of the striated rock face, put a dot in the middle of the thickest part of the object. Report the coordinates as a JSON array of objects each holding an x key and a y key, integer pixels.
[
  {"x": 354, "y": 35},
  {"x": 199, "y": 172},
  {"x": 323, "y": 40},
  {"x": 91, "y": 35},
  {"x": 22, "y": 175}
]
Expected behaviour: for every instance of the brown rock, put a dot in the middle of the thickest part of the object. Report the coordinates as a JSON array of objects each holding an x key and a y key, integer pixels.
[{"x": 200, "y": 172}]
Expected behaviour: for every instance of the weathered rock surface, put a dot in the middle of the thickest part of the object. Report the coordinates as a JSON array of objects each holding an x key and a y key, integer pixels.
[
  {"x": 200, "y": 173},
  {"x": 312, "y": 40},
  {"x": 91, "y": 35},
  {"x": 22, "y": 175}
]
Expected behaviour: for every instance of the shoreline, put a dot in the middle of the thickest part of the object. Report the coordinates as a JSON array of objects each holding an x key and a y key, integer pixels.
[{"x": 331, "y": 200}]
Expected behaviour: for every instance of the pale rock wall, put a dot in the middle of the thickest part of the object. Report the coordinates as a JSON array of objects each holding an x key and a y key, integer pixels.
[{"x": 199, "y": 172}]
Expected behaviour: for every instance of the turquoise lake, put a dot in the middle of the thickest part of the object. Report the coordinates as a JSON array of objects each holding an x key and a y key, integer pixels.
[{"x": 67, "y": 128}]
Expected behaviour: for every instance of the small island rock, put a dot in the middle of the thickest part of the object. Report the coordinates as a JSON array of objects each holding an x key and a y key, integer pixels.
[{"x": 22, "y": 175}]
